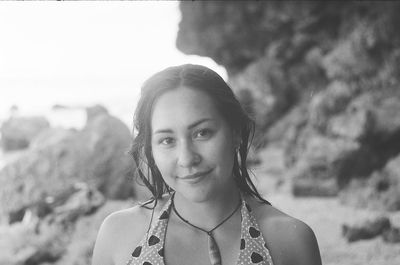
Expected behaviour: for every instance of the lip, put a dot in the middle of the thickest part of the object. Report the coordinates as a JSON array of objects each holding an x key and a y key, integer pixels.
[{"x": 196, "y": 176}]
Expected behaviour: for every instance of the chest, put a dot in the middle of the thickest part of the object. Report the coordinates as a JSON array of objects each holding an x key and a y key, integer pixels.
[
  {"x": 171, "y": 242},
  {"x": 183, "y": 244}
]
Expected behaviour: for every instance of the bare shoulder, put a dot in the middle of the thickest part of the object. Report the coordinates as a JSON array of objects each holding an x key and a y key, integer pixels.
[
  {"x": 120, "y": 232},
  {"x": 289, "y": 240}
]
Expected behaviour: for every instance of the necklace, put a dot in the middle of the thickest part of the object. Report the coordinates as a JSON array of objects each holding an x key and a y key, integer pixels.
[{"x": 213, "y": 251}]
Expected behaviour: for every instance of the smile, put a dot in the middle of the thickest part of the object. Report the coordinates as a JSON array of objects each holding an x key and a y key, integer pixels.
[{"x": 196, "y": 177}]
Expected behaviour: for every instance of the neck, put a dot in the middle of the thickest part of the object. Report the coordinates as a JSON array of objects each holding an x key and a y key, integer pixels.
[{"x": 207, "y": 214}]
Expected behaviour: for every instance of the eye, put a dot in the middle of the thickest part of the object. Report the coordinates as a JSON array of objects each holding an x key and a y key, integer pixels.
[
  {"x": 166, "y": 141},
  {"x": 203, "y": 133}
]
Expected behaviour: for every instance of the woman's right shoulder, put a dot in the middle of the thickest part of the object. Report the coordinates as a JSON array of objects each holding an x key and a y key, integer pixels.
[
  {"x": 122, "y": 221},
  {"x": 132, "y": 220},
  {"x": 121, "y": 231}
]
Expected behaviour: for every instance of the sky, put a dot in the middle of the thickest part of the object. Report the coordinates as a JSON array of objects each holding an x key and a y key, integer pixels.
[{"x": 82, "y": 53}]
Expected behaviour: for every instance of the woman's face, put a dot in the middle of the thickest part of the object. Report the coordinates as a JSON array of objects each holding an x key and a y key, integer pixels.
[{"x": 192, "y": 144}]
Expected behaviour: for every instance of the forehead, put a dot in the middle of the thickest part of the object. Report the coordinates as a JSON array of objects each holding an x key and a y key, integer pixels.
[{"x": 181, "y": 107}]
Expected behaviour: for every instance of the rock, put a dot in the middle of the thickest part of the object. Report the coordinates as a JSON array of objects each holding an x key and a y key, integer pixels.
[
  {"x": 61, "y": 107},
  {"x": 354, "y": 126},
  {"x": 328, "y": 103},
  {"x": 80, "y": 248},
  {"x": 387, "y": 118},
  {"x": 380, "y": 191},
  {"x": 51, "y": 137},
  {"x": 236, "y": 33},
  {"x": 284, "y": 131},
  {"x": 313, "y": 187},
  {"x": 95, "y": 111},
  {"x": 366, "y": 230},
  {"x": 377, "y": 112},
  {"x": 97, "y": 155},
  {"x": 80, "y": 199},
  {"x": 272, "y": 162},
  {"x": 348, "y": 60},
  {"x": 108, "y": 140},
  {"x": 83, "y": 201},
  {"x": 392, "y": 169},
  {"x": 359, "y": 54},
  {"x": 214, "y": 35},
  {"x": 267, "y": 90},
  {"x": 22, "y": 243},
  {"x": 371, "y": 120},
  {"x": 325, "y": 158},
  {"x": 391, "y": 235},
  {"x": 41, "y": 256},
  {"x": 355, "y": 123},
  {"x": 65, "y": 236},
  {"x": 18, "y": 132}
]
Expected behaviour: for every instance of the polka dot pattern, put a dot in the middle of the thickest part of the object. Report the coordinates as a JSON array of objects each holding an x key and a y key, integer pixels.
[
  {"x": 153, "y": 240},
  {"x": 253, "y": 249},
  {"x": 242, "y": 244},
  {"x": 137, "y": 251},
  {"x": 256, "y": 258}
]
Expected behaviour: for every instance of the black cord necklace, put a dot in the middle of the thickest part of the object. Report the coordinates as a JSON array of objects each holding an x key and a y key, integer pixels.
[{"x": 213, "y": 251}]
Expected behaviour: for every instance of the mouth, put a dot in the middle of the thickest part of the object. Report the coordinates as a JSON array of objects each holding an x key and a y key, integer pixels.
[{"x": 196, "y": 176}]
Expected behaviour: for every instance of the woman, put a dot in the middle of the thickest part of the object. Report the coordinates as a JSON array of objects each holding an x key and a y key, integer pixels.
[{"x": 191, "y": 147}]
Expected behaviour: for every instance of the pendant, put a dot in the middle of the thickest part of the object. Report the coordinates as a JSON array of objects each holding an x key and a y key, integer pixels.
[{"x": 213, "y": 251}]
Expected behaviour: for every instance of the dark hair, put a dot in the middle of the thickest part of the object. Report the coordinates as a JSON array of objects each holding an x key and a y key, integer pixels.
[{"x": 206, "y": 80}]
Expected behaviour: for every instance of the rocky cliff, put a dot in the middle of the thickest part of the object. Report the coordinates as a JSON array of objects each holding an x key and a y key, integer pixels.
[
  {"x": 321, "y": 79},
  {"x": 55, "y": 193}
]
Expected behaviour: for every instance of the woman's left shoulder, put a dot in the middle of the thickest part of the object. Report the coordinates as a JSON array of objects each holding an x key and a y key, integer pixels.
[{"x": 289, "y": 240}]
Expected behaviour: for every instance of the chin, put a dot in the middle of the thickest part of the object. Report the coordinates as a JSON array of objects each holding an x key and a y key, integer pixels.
[
  {"x": 200, "y": 191},
  {"x": 195, "y": 195}
]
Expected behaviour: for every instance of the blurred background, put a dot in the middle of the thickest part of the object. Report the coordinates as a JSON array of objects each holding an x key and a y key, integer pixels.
[{"x": 320, "y": 78}]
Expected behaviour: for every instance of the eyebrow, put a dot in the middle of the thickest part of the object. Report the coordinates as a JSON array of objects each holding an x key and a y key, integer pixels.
[{"x": 194, "y": 124}]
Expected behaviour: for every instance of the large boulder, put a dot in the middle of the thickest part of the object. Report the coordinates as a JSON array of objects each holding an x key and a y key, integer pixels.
[
  {"x": 266, "y": 89},
  {"x": 361, "y": 52},
  {"x": 321, "y": 165},
  {"x": 235, "y": 33},
  {"x": 83, "y": 201},
  {"x": 59, "y": 158},
  {"x": 79, "y": 250},
  {"x": 328, "y": 103},
  {"x": 354, "y": 123},
  {"x": 391, "y": 235},
  {"x": 64, "y": 236},
  {"x": 380, "y": 191},
  {"x": 371, "y": 116},
  {"x": 21, "y": 243},
  {"x": 94, "y": 111},
  {"x": 18, "y": 132},
  {"x": 366, "y": 229},
  {"x": 360, "y": 135},
  {"x": 310, "y": 186},
  {"x": 269, "y": 89},
  {"x": 349, "y": 58},
  {"x": 371, "y": 120},
  {"x": 387, "y": 119}
]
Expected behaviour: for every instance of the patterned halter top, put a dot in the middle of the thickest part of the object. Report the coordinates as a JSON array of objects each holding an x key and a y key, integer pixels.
[{"x": 253, "y": 250}]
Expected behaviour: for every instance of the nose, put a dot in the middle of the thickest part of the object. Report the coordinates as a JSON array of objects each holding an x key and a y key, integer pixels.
[{"x": 187, "y": 156}]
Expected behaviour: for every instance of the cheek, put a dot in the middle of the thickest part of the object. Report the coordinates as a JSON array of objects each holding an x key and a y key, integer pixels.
[
  {"x": 162, "y": 161},
  {"x": 222, "y": 152}
]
